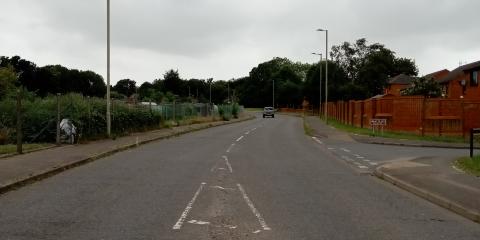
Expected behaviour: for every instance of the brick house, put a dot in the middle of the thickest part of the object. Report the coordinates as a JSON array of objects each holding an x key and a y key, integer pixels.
[
  {"x": 398, "y": 83},
  {"x": 462, "y": 83}
]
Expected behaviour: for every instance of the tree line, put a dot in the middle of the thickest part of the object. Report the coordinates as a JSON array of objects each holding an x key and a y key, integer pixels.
[{"x": 356, "y": 71}]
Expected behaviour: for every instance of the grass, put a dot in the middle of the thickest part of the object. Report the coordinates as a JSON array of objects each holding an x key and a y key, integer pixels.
[
  {"x": 469, "y": 165},
  {"x": 396, "y": 135},
  {"x": 254, "y": 109},
  {"x": 308, "y": 130},
  {"x": 11, "y": 148}
]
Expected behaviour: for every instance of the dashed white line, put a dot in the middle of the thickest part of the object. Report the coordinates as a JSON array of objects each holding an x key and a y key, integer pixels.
[
  {"x": 239, "y": 139},
  {"x": 228, "y": 164},
  {"x": 366, "y": 160},
  {"x": 317, "y": 140},
  {"x": 345, "y": 150},
  {"x": 221, "y": 188},
  {"x": 254, "y": 210},
  {"x": 248, "y": 132},
  {"x": 184, "y": 215},
  {"x": 330, "y": 148},
  {"x": 362, "y": 167},
  {"x": 360, "y": 157},
  {"x": 373, "y": 164},
  {"x": 198, "y": 222},
  {"x": 230, "y": 148}
]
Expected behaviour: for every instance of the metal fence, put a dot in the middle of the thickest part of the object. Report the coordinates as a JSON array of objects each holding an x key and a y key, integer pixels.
[{"x": 32, "y": 119}]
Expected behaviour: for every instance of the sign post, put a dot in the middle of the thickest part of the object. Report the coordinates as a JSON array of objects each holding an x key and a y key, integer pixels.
[{"x": 378, "y": 123}]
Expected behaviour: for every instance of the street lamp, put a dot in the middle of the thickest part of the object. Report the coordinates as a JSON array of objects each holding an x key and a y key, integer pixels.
[
  {"x": 273, "y": 94},
  {"x": 320, "y": 67},
  {"x": 109, "y": 122},
  {"x": 326, "y": 72}
]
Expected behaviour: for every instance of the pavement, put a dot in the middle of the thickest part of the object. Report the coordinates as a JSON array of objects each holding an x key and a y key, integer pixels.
[
  {"x": 428, "y": 171},
  {"x": 258, "y": 179},
  {"x": 18, "y": 170}
]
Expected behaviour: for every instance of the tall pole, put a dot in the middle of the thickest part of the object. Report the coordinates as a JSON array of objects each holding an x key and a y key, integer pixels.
[
  {"x": 109, "y": 122},
  {"x": 326, "y": 77},
  {"x": 273, "y": 94},
  {"x": 320, "y": 107}
]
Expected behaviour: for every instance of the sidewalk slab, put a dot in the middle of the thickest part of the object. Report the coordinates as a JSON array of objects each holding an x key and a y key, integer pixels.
[
  {"x": 436, "y": 180},
  {"x": 18, "y": 170}
]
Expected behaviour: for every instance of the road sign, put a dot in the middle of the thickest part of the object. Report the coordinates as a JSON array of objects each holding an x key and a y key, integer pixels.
[{"x": 378, "y": 123}]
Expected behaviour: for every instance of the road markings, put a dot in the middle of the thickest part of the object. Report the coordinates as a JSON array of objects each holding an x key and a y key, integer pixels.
[
  {"x": 360, "y": 157},
  {"x": 330, "y": 148},
  {"x": 373, "y": 164},
  {"x": 221, "y": 188},
  {"x": 198, "y": 222},
  {"x": 362, "y": 167},
  {"x": 255, "y": 232},
  {"x": 239, "y": 139},
  {"x": 230, "y": 148},
  {"x": 345, "y": 150},
  {"x": 317, "y": 140},
  {"x": 347, "y": 158},
  {"x": 254, "y": 210},
  {"x": 366, "y": 160},
  {"x": 228, "y": 164},
  {"x": 248, "y": 132},
  {"x": 184, "y": 215}
]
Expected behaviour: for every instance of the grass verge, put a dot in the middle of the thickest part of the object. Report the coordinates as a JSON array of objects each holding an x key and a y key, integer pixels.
[
  {"x": 11, "y": 148},
  {"x": 308, "y": 130},
  {"x": 470, "y": 165},
  {"x": 397, "y": 135}
]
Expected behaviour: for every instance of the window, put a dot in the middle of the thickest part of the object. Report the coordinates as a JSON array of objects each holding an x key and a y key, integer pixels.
[{"x": 474, "y": 79}]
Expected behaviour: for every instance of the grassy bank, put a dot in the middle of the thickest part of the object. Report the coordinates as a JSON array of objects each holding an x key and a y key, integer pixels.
[
  {"x": 396, "y": 135},
  {"x": 470, "y": 165},
  {"x": 10, "y": 148}
]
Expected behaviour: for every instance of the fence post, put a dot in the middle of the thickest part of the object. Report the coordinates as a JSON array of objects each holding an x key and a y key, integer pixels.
[
  {"x": 58, "y": 120},
  {"x": 471, "y": 143},
  {"x": 19, "y": 122}
]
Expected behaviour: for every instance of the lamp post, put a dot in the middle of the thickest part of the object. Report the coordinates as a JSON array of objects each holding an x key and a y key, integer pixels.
[
  {"x": 109, "y": 122},
  {"x": 320, "y": 67},
  {"x": 273, "y": 94},
  {"x": 326, "y": 73}
]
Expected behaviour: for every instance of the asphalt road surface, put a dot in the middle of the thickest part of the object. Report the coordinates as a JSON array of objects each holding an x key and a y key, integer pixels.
[{"x": 261, "y": 179}]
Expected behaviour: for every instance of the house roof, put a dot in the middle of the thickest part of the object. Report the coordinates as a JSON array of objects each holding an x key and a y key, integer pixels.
[
  {"x": 459, "y": 71},
  {"x": 401, "y": 79},
  {"x": 435, "y": 75}
]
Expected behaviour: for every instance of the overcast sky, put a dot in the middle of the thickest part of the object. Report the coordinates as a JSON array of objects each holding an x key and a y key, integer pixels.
[{"x": 225, "y": 39}]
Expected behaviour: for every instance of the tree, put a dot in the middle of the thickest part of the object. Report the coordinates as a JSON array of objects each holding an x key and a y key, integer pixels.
[
  {"x": 8, "y": 78},
  {"x": 368, "y": 67},
  {"x": 126, "y": 87},
  {"x": 172, "y": 82},
  {"x": 423, "y": 86}
]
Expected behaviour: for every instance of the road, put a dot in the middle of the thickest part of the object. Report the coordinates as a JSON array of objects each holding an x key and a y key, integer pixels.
[{"x": 261, "y": 179}]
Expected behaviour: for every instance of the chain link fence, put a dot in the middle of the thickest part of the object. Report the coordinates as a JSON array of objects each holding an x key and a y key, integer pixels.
[{"x": 73, "y": 117}]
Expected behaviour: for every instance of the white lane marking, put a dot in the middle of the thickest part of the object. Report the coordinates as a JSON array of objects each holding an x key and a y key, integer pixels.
[
  {"x": 230, "y": 148},
  {"x": 223, "y": 169},
  {"x": 222, "y": 188},
  {"x": 255, "y": 232},
  {"x": 330, "y": 148},
  {"x": 457, "y": 169},
  {"x": 253, "y": 129},
  {"x": 345, "y": 150},
  {"x": 248, "y": 132},
  {"x": 228, "y": 164},
  {"x": 356, "y": 155},
  {"x": 317, "y": 140},
  {"x": 198, "y": 222},
  {"x": 230, "y": 226},
  {"x": 239, "y": 139},
  {"x": 360, "y": 157},
  {"x": 366, "y": 160},
  {"x": 254, "y": 210},
  {"x": 347, "y": 158},
  {"x": 184, "y": 215},
  {"x": 373, "y": 164},
  {"x": 357, "y": 163},
  {"x": 362, "y": 167}
]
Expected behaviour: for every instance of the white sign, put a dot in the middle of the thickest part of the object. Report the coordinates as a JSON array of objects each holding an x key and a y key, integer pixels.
[{"x": 378, "y": 122}]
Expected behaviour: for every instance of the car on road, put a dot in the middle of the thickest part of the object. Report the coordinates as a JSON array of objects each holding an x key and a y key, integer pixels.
[{"x": 268, "y": 111}]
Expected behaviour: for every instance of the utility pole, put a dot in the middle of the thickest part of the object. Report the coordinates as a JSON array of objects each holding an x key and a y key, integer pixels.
[
  {"x": 109, "y": 121},
  {"x": 273, "y": 94}
]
